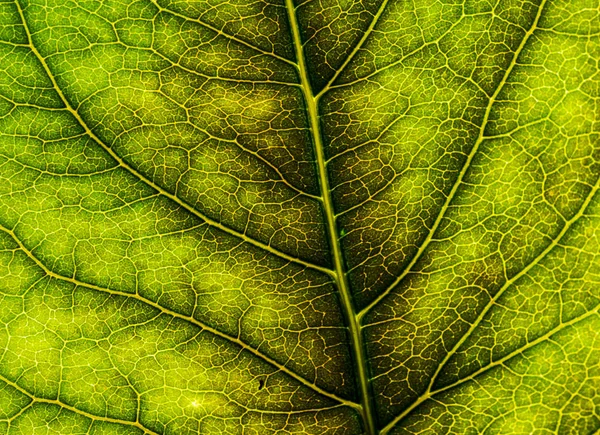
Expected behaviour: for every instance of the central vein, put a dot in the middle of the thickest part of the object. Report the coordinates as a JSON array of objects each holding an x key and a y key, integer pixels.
[{"x": 358, "y": 349}]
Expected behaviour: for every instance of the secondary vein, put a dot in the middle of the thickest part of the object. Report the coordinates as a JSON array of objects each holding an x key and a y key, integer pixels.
[
  {"x": 61, "y": 404},
  {"x": 459, "y": 180},
  {"x": 356, "y": 48},
  {"x": 184, "y": 204},
  {"x": 221, "y": 32},
  {"x": 553, "y": 244},
  {"x": 547, "y": 336},
  {"x": 189, "y": 319}
]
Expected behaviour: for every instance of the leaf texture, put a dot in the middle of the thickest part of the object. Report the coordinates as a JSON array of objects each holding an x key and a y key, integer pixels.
[{"x": 299, "y": 217}]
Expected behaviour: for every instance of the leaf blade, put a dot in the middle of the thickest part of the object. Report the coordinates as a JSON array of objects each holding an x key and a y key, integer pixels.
[{"x": 205, "y": 233}]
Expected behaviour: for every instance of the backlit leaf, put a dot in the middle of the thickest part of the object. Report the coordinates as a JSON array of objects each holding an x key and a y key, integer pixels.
[{"x": 299, "y": 217}]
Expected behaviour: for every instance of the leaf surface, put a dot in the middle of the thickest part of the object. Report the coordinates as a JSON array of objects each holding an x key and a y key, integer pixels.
[{"x": 299, "y": 217}]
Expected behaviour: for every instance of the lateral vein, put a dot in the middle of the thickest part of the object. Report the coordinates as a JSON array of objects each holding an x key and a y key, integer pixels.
[
  {"x": 61, "y": 404},
  {"x": 547, "y": 336},
  {"x": 222, "y": 33},
  {"x": 480, "y": 139},
  {"x": 188, "y": 319},
  {"x": 555, "y": 242},
  {"x": 356, "y": 48},
  {"x": 69, "y": 108}
]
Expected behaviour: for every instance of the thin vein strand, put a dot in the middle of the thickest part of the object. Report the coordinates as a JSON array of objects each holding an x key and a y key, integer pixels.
[
  {"x": 355, "y": 50},
  {"x": 147, "y": 181},
  {"x": 543, "y": 338},
  {"x": 459, "y": 180},
  {"x": 222, "y": 33},
  {"x": 75, "y": 410},
  {"x": 188, "y": 319},
  {"x": 555, "y": 242}
]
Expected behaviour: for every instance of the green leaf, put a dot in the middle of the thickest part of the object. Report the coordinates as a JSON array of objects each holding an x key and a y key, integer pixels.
[{"x": 310, "y": 217}]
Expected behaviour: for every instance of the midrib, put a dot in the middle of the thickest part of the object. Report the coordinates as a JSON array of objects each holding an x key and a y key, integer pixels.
[{"x": 358, "y": 349}]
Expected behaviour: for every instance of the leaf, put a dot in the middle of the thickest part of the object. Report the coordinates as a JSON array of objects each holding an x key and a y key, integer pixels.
[{"x": 311, "y": 217}]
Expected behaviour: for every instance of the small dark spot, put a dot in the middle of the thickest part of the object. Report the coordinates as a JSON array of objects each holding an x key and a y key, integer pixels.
[{"x": 261, "y": 384}]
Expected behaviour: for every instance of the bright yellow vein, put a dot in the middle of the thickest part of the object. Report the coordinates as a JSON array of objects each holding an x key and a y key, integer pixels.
[{"x": 299, "y": 217}]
